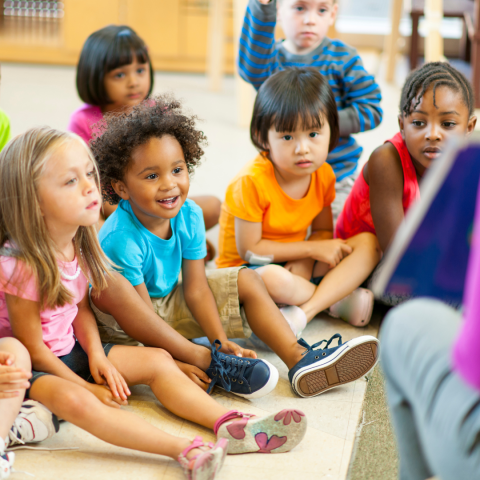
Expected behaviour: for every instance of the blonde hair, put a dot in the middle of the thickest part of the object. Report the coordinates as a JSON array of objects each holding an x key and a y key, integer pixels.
[{"x": 23, "y": 232}]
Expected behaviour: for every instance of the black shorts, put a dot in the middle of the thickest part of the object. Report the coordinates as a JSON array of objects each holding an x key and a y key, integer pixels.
[{"x": 77, "y": 361}]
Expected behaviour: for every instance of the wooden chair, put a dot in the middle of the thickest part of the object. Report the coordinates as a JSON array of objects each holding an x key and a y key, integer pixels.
[{"x": 452, "y": 9}]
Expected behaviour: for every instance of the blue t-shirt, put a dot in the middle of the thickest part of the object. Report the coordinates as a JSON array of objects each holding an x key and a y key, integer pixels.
[{"x": 144, "y": 257}]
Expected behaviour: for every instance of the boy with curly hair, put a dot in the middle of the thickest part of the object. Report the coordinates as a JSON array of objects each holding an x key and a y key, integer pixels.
[
  {"x": 305, "y": 24},
  {"x": 145, "y": 158}
]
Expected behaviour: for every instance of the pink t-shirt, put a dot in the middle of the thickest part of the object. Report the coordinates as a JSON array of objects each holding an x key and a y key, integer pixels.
[
  {"x": 81, "y": 121},
  {"x": 57, "y": 327}
]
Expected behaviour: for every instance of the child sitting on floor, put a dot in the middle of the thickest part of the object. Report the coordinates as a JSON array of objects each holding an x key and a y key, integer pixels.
[
  {"x": 114, "y": 74},
  {"x": 436, "y": 104},
  {"x": 49, "y": 204},
  {"x": 287, "y": 190},
  {"x": 145, "y": 158},
  {"x": 21, "y": 421},
  {"x": 305, "y": 24}
]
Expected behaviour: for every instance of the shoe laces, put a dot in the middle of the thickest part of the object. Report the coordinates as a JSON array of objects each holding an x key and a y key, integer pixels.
[
  {"x": 226, "y": 368},
  {"x": 17, "y": 433},
  {"x": 309, "y": 348}
]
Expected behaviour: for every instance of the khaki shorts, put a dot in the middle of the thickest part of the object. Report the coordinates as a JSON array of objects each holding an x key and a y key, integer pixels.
[{"x": 173, "y": 309}]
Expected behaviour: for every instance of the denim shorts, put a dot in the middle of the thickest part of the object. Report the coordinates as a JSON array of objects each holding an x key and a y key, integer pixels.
[
  {"x": 77, "y": 361},
  {"x": 314, "y": 280}
]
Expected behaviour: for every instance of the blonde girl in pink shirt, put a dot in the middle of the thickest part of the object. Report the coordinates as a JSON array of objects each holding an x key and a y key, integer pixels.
[{"x": 49, "y": 253}]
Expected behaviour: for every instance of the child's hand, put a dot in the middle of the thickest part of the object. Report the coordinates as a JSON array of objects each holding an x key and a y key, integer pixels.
[
  {"x": 196, "y": 375},
  {"x": 233, "y": 349},
  {"x": 104, "y": 373},
  {"x": 104, "y": 394},
  {"x": 331, "y": 252},
  {"x": 12, "y": 379}
]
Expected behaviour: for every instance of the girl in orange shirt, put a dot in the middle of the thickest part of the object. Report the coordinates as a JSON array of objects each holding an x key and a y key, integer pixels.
[{"x": 286, "y": 191}]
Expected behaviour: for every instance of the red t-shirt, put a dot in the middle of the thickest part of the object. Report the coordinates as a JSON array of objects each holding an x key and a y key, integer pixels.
[{"x": 356, "y": 216}]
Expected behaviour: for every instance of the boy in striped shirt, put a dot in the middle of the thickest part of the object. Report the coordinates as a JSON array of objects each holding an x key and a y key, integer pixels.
[{"x": 305, "y": 24}]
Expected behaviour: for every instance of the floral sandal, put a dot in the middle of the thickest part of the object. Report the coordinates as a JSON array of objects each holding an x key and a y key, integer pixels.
[
  {"x": 205, "y": 465},
  {"x": 275, "y": 433}
]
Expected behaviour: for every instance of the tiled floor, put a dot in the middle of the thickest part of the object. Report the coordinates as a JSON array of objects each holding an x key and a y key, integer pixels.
[{"x": 34, "y": 95}]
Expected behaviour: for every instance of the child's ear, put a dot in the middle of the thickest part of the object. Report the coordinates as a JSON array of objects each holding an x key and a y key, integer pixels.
[
  {"x": 334, "y": 13},
  {"x": 472, "y": 121},
  {"x": 120, "y": 189},
  {"x": 401, "y": 126}
]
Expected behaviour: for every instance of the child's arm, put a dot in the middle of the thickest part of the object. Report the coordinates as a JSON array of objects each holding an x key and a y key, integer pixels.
[
  {"x": 384, "y": 175},
  {"x": 25, "y": 321},
  {"x": 249, "y": 239},
  {"x": 199, "y": 299},
  {"x": 256, "y": 56},
  {"x": 361, "y": 98},
  {"x": 103, "y": 372}
]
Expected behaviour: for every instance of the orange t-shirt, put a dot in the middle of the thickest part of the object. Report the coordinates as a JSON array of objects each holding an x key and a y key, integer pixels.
[{"x": 255, "y": 195}]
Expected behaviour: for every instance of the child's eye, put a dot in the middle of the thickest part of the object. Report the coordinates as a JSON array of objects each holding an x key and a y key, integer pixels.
[
  {"x": 91, "y": 173},
  {"x": 152, "y": 176},
  {"x": 119, "y": 75},
  {"x": 177, "y": 170},
  {"x": 287, "y": 137},
  {"x": 314, "y": 134},
  {"x": 141, "y": 70},
  {"x": 299, "y": 9},
  {"x": 323, "y": 10},
  {"x": 71, "y": 181},
  {"x": 418, "y": 123},
  {"x": 449, "y": 124}
]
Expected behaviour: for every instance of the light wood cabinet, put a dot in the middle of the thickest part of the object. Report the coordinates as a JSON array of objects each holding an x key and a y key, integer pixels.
[{"x": 176, "y": 32}]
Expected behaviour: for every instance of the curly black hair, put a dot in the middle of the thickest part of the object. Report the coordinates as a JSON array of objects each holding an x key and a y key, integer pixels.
[
  {"x": 438, "y": 74},
  {"x": 120, "y": 133}
]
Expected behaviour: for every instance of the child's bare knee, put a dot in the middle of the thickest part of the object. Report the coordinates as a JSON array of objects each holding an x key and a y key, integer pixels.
[
  {"x": 277, "y": 279},
  {"x": 22, "y": 357}
]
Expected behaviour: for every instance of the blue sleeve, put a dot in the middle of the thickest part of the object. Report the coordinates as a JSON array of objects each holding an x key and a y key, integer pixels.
[
  {"x": 196, "y": 248},
  {"x": 361, "y": 99},
  {"x": 256, "y": 56},
  {"x": 124, "y": 249}
]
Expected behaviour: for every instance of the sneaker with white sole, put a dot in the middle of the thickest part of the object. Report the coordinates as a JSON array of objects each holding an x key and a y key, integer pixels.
[
  {"x": 6, "y": 464},
  {"x": 33, "y": 424},
  {"x": 274, "y": 433},
  {"x": 243, "y": 376},
  {"x": 322, "y": 369}
]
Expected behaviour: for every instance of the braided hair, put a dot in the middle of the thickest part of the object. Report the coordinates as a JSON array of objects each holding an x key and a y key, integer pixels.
[{"x": 438, "y": 74}]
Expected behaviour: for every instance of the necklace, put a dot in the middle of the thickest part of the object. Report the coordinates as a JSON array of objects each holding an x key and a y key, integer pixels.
[{"x": 71, "y": 277}]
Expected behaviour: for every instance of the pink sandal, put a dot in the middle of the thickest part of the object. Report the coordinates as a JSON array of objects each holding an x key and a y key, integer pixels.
[{"x": 205, "y": 465}]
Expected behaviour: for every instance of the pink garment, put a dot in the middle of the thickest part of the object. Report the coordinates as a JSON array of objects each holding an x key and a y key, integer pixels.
[
  {"x": 82, "y": 120},
  {"x": 57, "y": 327},
  {"x": 356, "y": 216},
  {"x": 466, "y": 353}
]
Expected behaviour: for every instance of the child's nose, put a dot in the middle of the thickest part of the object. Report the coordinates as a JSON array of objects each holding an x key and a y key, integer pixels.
[
  {"x": 309, "y": 17},
  {"x": 433, "y": 133},
  {"x": 302, "y": 147}
]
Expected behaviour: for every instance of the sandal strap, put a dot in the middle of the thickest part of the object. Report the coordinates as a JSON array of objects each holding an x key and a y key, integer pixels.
[{"x": 196, "y": 442}]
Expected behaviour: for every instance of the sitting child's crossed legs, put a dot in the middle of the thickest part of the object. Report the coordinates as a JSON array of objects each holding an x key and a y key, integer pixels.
[{"x": 291, "y": 289}]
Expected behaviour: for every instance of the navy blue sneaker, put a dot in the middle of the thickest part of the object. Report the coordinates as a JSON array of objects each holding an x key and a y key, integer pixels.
[
  {"x": 246, "y": 377},
  {"x": 326, "y": 368}
]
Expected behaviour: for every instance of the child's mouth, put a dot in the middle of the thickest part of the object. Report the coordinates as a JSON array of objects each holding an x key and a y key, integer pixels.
[
  {"x": 93, "y": 205},
  {"x": 432, "y": 152},
  {"x": 170, "y": 202},
  {"x": 304, "y": 163}
]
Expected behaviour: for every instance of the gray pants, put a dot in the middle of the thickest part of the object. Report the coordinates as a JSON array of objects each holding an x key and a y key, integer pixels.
[{"x": 435, "y": 414}]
